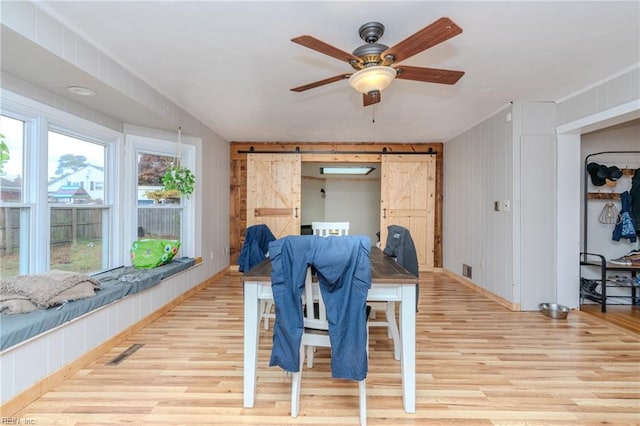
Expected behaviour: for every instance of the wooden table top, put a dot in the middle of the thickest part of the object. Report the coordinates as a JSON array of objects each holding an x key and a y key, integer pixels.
[{"x": 384, "y": 270}]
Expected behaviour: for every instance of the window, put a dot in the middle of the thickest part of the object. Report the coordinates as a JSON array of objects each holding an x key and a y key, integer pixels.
[
  {"x": 74, "y": 197},
  {"x": 161, "y": 215},
  {"x": 79, "y": 217},
  {"x": 14, "y": 213},
  {"x": 11, "y": 170},
  {"x": 56, "y": 191}
]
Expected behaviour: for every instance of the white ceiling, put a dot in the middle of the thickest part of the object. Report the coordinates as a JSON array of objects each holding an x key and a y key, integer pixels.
[{"x": 231, "y": 64}]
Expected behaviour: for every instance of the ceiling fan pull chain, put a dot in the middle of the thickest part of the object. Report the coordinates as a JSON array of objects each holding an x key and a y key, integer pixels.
[{"x": 373, "y": 113}]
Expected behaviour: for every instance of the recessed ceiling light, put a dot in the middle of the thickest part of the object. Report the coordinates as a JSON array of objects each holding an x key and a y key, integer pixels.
[
  {"x": 346, "y": 170},
  {"x": 82, "y": 91}
]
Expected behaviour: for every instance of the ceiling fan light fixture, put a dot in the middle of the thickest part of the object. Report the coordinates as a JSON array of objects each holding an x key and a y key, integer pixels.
[{"x": 372, "y": 78}]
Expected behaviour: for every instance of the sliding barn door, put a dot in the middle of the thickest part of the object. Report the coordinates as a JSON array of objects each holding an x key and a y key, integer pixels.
[
  {"x": 408, "y": 199},
  {"x": 273, "y": 192}
]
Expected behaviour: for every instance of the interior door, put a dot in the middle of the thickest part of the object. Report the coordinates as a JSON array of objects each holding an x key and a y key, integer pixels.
[
  {"x": 408, "y": 199},
  {"x": 273, "y": 192}
]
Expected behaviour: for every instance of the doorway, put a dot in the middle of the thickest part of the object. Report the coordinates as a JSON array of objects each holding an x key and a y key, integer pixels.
[{"x": 341, "y": 198}]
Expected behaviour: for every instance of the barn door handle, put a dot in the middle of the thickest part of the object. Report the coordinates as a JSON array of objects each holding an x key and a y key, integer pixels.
[
  {"x": 384, "y": 213},
  {"x": 296, "y": 212}
]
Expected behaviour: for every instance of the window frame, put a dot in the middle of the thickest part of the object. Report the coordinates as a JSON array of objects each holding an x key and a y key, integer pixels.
[
  {"x": 156, "y": 142},
  {"x": 26, "y": 208},
  {"x": 39, "y": 119}
]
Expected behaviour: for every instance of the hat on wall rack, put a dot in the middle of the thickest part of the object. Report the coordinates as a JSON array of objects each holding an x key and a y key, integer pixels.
[
  {"x": 598, "y": 173},
  {"x": 614, "y": 173}
]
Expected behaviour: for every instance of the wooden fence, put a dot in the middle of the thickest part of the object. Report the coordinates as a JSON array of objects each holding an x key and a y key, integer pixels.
[
  {"x": 70, "y": 224},
  {"x": 159, "y": 223},
  {"x": 9, "y": 229}
]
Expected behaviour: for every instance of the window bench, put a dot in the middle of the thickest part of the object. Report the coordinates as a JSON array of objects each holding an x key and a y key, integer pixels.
[
  {"x": 45, "y": 343},
  {"x": 114, "y": 284}
]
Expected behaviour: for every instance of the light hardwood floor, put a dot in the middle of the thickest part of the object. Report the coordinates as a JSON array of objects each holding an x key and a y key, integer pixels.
[
  {"x": 477, "y": 364},
  {"x": 625, "y": 316}
]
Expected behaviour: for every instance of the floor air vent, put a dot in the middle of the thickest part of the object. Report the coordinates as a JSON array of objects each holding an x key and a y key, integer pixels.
[
  {"x": 466, "y": 270},
  {"x": 126, "y": 354}
]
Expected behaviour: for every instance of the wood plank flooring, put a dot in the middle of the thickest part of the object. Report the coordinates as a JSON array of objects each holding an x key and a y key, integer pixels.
[
  {"x": 477, "y": 364},
  {"x": 625, "y": 316}
]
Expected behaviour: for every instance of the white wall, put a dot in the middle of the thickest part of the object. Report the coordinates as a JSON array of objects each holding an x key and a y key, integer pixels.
[
  {"x": 534, "y": 202},
  {"x": 508, "y": 159},
  {"x": 482, "y": 165},
  {"x": 478, "y": 170},
  {"x": 602, "y": 96},
  {"x": 313, "y": 203},
  {"x": 356, "y": 201}
]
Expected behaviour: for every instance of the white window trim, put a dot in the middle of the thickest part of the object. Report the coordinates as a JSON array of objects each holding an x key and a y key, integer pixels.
[
  {"x": 163, "y": 143},
  {"x": 41, "y": 118}
]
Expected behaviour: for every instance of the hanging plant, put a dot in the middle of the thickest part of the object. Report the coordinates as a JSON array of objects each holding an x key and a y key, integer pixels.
[
  {"x": 180, "y": 179},
  {"x": 163, "y": 196}
]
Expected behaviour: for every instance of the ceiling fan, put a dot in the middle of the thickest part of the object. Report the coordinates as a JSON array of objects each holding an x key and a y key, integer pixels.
[{"x": 376, "y": 64}]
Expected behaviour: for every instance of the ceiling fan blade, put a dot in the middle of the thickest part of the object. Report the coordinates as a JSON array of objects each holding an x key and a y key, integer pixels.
[
  {"x": 327, "y": 49},
  {"x": 429, "y": 75},
  {"x": 431, "y": 35},
  {"x": 371, "y": 98},
  {"x": 321, "y": 82}
]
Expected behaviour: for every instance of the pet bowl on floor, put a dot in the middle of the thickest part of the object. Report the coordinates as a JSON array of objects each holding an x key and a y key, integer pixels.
[{"x": 553, "y": 310}]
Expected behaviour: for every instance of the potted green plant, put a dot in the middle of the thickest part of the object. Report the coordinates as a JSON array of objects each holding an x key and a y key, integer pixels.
[
  {"x": 160, "y": 196},
  {"x": 180, "y": 179}
]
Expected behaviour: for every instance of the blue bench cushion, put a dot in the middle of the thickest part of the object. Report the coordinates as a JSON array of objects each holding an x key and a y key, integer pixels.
[{"x": 114, "y": 284}]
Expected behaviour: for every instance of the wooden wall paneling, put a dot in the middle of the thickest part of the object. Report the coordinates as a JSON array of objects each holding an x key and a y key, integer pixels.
[
  {"x": 237, "y": 206},
  {"x": 357, "y": 152}
]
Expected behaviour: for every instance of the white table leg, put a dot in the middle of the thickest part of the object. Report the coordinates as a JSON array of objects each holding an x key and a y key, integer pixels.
[
  {"x": 408, "y": 339},
  {"x": 251, "y": 318}
]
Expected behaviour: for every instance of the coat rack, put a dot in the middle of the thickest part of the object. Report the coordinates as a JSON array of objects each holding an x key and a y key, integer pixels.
[{"x": 599, "y": 195}]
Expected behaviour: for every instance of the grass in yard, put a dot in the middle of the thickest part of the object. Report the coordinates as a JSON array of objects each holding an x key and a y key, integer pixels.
[{"x": 84, "y": 256}]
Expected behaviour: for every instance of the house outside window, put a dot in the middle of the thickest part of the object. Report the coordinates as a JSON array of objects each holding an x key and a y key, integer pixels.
[{"x": 79, "y": 217}]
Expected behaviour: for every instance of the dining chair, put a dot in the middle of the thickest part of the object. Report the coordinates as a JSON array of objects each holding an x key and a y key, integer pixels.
[
  {"x": 316, "y": 333},
  {"x": 254, "y": 250},
  {"x": 400, "y": 246},
  {"x": 326, "y": 229},
  {"x": 321, "y": 229}
]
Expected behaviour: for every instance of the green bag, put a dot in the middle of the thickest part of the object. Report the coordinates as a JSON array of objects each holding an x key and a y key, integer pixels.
[{"x": 149, "y": 253}]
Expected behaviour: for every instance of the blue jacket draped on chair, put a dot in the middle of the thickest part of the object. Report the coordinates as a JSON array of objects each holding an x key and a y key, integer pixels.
[
  {"x": 343, "y": 267},
  {"x": 255, "y": 247}
]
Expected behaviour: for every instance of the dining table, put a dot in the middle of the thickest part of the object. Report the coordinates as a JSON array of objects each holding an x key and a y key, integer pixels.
[{"x": 390, "y": 282}]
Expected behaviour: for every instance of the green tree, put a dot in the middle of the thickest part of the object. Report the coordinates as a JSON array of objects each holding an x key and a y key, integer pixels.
[
  {"x": 151, "y": 169},
  {"x": 4, "y": 152},
  {"x": 71, "y": 162}
]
